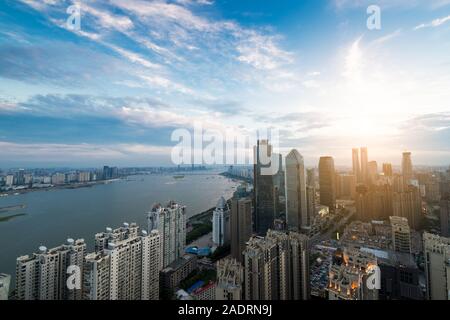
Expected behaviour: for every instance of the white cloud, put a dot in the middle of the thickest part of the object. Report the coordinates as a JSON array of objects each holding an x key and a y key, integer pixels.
[
  {"x": 134, "y": 57},
  {"x": 387, "y": 37},
  {"x": 435, "y": 23}
]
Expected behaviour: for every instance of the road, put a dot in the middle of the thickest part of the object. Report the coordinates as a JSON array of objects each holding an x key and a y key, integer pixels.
[{"x": 327, "y": 235}]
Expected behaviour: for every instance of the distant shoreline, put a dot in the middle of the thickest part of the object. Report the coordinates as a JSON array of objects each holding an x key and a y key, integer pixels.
[{"x": 59, "y": 187}]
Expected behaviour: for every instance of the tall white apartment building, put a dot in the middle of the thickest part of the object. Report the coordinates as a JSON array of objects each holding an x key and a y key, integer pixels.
[
  {"x": 43, "y": 275},
  {"x": 230, "y": 279},
  {"x": 437, "y": 266},
  {"x": 96, "y": 277},
  {"x": 151, "y": 265},
  {"x": 125, "y": 266},
  {"x": 221, "y": 223},
  {"x": 170, "y": 221}
]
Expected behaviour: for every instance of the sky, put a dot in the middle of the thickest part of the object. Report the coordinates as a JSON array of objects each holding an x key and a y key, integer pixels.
[{"x": 114, "y": 90}]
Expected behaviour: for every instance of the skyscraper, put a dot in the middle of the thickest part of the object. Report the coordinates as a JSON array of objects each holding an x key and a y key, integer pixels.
[
  {"x": 296, "y": 201},
  {"x": 221, "y": 223},
  {"x": 170, "y": 221},
  {"x": 265, "y": 194},
  {"x": 437, "y": 266},
  {"x": 401, "y": 234},
  {"x": 43, "y": 275},
  {"x": 356, "y": 164},
  {"x": 407, "y": 168},
  {"x": 327, "y": 182},
  {"x": 364, "y": 165},
  {"x": 230, "y": 280},
  {"x": 241, "y": 225}
]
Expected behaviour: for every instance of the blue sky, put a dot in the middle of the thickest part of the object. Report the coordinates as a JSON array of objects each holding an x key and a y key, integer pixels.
[{"x": 113, "y": 91}]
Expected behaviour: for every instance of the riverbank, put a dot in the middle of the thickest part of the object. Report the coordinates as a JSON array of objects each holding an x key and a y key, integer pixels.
[
  {"x": 200, "y": 224},
  {"x": 234, "y": 177},
  {"x": 10, "y": 217}
]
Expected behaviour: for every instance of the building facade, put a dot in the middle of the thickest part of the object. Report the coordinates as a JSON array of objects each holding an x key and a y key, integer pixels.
[{"x": 296, "y": 198}]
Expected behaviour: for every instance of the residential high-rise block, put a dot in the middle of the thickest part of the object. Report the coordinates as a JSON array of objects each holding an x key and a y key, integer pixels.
[
  {"x": 261, "y": 269},
  {"x": 44, "y": 275},
  {"x": 327, "y": 182},
  {"x": 221, "y": 223},
  {"x": 407, "y": 203},
  {"x": 296, "y": 201},
  {"x": 170, "y": 221},
  {"x": 96, "y": 277},
  {"x": 277, "y": 267},
  {"x": 401, "y": 234},
  {"x": 437, "y": 266},
  {"x": 151, "y": 264},
  {"x": 230, "y": 280},
  {"x": 125, "y": 266},
  {"x": 241, "y": 225}
]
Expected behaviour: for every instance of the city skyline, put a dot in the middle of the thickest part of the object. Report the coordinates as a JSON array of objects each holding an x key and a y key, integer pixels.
[{"x": 113, "y": 91}]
